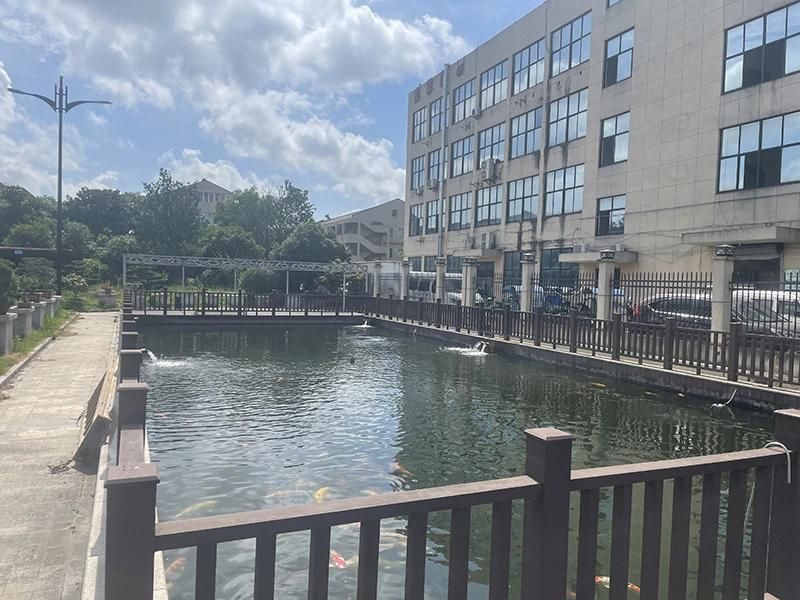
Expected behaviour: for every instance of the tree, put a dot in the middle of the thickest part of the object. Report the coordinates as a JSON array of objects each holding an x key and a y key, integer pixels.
[
  {"x": 37, "y": 233},
  {"x": 8, "y": 286},
  {"x": 78, "y": 239},
  {"x": 260, "y": 281},
  {"x": 168, "y": 220},
  {"x": 311, "y": 242},
  {"x": 103, "y": 211},
  {"x": 112, "y": 251},
  {"x": 229, "y": 241},
  {"x": 292, "y": 208},
  {"x": 90, "y": 269},
  {"x": 18, "y": 205},
  {"x": 36, "y": 274}
]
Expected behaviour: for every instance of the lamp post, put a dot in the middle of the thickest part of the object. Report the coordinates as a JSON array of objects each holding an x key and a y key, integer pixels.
[{"x": 61, "y": 105}]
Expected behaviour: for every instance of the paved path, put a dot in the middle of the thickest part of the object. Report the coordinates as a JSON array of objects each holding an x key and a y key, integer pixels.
[{"x": 45, "y": 505}]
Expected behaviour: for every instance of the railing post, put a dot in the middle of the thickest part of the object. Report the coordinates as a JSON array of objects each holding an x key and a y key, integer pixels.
[
  {"x": 130, "y": 364},
  {"x": 405, "y": 309},
  {"x": 203, "y": 302},
  {"x": 669, "y": 342},
  {"x": 437, "y": 314},
  {"x": 128, "y": 324},
  {"x": 538, "y": 325},
  {"x": 419, "y": 311},
  {"x": 390, "y": 307},
  {"x": 734, "y": 340},
  {"x": 459, "y": 315},
  {"x": 573, "y": 331},
  {"x": 129, "y": 340},
  {"x": 545, "y": 526},
  {"x": 239, "y": 304},
  {"x": 616, "y": 335},
  {"x": 481, "y": 320},
  {"x": 783, "y": 575},
  {"x": 506, "y": 322},
  {"x": 165, "y": 301}
]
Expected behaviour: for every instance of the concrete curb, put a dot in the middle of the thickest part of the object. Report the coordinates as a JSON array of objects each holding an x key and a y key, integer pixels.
[{"x": 14, "y": 371}]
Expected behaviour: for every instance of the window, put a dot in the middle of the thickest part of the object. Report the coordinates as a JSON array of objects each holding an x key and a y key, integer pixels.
[
  {"x": 523, "y": 196},
  {"x": 351, "y": 227},
  {"x": 463, "y": 158},
  {"x": 614, "y": 143},
  {"x": 463, "y": 101},
  {"x": 415, "y": 263},
  {"x": 571, "y": 44},
  {"x": 418, "y": 172},
  {"x": 564, "y": 189},
  {"x": 613, "y": 2},
  {"x": 394, "y": 212},
  {"x": 434, "y": 160},
  {"x": 494, "y": 86},
  {"x": 553, "y": 270},
  {"x": 488, "y": 206},
  {"x": 611, "y": 215},
  {"x": 432, "y": 216},
  {"x": 491, "y": 143},
  {"x": 568, "y": 117},
  {"x": 619, "y": 58},
  {"x": 763, "y": 49},
  {"x": 429, "y": 264},
  {"x": 526, "y": 133},
  {"x": 760, "y": 154},
  {"x": 436, "y": 116},
  {"x": 529, "y": 67},
  {"x": 460, "y": 211},
  {"x": 455, "y": 264},
  {"x": 512, "y": 267},
  {"x": 420, "y": 123},
  {"x": 415, "y": 220}
]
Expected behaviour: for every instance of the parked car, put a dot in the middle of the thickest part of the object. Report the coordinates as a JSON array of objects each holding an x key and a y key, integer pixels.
[{"x": 786, "y": 304}]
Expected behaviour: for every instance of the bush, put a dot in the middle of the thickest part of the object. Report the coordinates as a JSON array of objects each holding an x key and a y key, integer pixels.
[
  {"x": 259, "y": 281},
  {"x": 36, "y": 274},
  {"x": 89, "y": 269},
  {"x": 8, "y": 286}
]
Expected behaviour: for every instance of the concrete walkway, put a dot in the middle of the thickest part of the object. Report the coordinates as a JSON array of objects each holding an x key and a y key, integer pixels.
[{"x": 45, "y": 502}]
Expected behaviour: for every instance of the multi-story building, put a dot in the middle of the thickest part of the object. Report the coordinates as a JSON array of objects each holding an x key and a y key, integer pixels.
[
  {"x": 374, "y": 233},
  {"x": 657, "y": 129},
  {"x": 209, "y": 195}
]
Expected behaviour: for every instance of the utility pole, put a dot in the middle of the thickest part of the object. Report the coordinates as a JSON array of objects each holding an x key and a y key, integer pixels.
[{"x": 61, "y": 105}]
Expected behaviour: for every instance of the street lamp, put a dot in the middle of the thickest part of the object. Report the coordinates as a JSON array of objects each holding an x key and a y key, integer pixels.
[{"x": 61, "y": 105}]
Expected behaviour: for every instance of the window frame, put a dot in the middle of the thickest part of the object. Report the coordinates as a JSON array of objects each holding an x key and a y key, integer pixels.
[
  {"x": 432, "y": 217},
  {"x": 437, "y": 117},
  {"x": 569, "y": 47},
  {"x": 419, "y": 122},
  {"x": 438, "y": 165},
  {"x": 620, "y": 52},
  {"x": 493, "y": 207},
  {"x": 418, "y": 174},
  {"x": 466, "y": 158},
  {"x": 496, "y": 88},
  {"x": 529, "y": 134},
  {"x": 531, "y": 200},
  {"x": 549, "y": 188},
  {"x": 609, "y": 215},
  {"x": 465, "y": 105},
  {"x": 416, "y": 220},
  {"x": 553, "y": 124},
  {"x": 538, "y": 66},
  {"x": 600, "y": 162},
  {"x": 496, "y": 142},
  {"x": 464, "y": 211}
]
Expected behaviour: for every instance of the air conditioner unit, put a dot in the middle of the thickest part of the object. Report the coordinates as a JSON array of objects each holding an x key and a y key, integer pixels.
[
  {"x": 419, "y": 191},
  {"x": 476, "y": 112},
  {"x": 488, "y": 169},
  {"x": 620, "y": 247},
  {"x": 470, "y": 243},
  {"x": 488, "y": 241},
  {"x": 433, "y": 184}
]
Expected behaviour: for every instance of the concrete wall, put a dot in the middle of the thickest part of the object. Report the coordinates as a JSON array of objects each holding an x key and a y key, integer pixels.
[{"x": 380, "y": 234}]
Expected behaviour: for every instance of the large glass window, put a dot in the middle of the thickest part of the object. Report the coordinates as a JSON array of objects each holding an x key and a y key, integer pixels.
[
  {"x": 564, "y": 188},
  {"x": 494, "y": 85},
  {"x": 455, "y": 264},
  {"x": 432, "y": 216},
  {"x": 460, "y": 211},
  {"x": 436, "y": 116},
  {"x": 611, "y": 215},
  {"x": 760, "y": 154},
  {"x": 554, "y": 271},
  {"x": 415, "y": 263},
  {"x": 420, "y": 124},
  {"x": 529, "y": 67},
  {"x": 491, "y": 143},
  {"x": 512, "y": 267},
  {"x": 429, "y": 264},
  {"x": 568, "y": 117},
  {"x": 434, "y": 162},
  {"x": 523, "y": 197},
  {"x": 415, "y": 219},
  {"x": 763, "y": 49},
  {"x": 418, "y": 172},
  {"x": 463, "y": 157},
  {"x": 614, "y": 143},
  {"x": 463, "y": 101},
  {"x": 526, "y": 133},
  {"x": 488, "y": 206},
  {"x": 619, "y": 58},
  {"x": 571, "y": 44}
]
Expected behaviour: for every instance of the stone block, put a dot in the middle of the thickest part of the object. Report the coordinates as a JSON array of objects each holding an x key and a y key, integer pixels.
[
  {"x": 37, "y": 318},
  {"x": 7, "y": 332},
  {"x": 23, "y": 325}
]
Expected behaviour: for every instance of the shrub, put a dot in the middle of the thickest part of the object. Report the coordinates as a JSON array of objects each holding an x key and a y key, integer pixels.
[
  {"x": 8, "y": 286},
  {"x": 259, "y": 281}
]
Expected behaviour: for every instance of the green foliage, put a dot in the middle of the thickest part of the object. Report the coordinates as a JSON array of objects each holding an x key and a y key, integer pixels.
[
  {"x": 229, "y": 241},
  {"x": 8, "y": 286},
  {"x": 103, "y": 211},
  {"x": 168, "y": 220},
  {"x": 260, "y": 281},
  {"x": 17, "y": 205},
  {"x": 76, "y": 283},
  {"x": 78, "y": 239},
  {"x": 311, "y": 242},
  {"x": 90, "y": 269},
  {"x": 112, "y": 250},
  {"x": 36, "y": 274},
  {"x": 37, "y": 233}
]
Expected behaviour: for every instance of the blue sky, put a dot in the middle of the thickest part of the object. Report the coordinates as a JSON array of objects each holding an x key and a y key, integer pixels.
[{"x": 243, "y": 92}]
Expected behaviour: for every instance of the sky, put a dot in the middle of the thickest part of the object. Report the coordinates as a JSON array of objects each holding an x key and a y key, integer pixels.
[{"x": 241, "y": 92}]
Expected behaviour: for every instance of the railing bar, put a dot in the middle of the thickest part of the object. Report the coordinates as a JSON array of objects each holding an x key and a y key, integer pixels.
[
  {"x": 679, "y": 538},
  {"x": 709, "y": 532},
  {"x": 318, "y": 563},
  {"x": 587, "y": 545},
  {"x": 206, "y": 572},
  {"x": 734, "y": 535},
  {"x": 368, "y": 547},
  {"x": 760, "y": 534},
  {"x": 264, "y": 586},
  {"x": 651, "y": 539},
  {"x": 620, "y": 542},
  {"x": 500, "y": 557},
  {"x": 458, "y": 577},
  {"x": 415, "y": 556}
]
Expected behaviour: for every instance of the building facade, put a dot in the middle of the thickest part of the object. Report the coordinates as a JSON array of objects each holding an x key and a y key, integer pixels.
[
  {"x": 656, "y": 129},
  {"x": 371, "y": 234},
  {"x": 209, "y": 195}
]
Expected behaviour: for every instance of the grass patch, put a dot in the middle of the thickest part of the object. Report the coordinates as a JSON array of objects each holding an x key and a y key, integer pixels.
[
  {"x": 87, "y": 301},
  {"x": 24, "y": 346}
]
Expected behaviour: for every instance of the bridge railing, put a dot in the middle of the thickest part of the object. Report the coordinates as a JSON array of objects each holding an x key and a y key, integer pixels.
[{"x": 770, "y": 519}]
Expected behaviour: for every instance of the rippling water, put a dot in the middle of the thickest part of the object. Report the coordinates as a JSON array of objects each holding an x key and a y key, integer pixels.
[{"x": 248, "y": 419}]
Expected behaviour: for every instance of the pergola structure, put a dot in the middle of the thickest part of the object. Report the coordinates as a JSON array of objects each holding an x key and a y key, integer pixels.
[{"x": 208, "y": 262}]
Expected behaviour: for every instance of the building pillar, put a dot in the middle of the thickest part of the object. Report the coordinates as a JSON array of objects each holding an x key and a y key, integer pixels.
[
  {"x": 528, "y": 270},
  {"x": 441, "y": 269},
  {"x": 469, "y": 271},
  {"x": 405, "y": 270},
  {"x": 605, "y": 291},
  {"x": 721, "y": 275},
  {"x": 376, "y": 282}
]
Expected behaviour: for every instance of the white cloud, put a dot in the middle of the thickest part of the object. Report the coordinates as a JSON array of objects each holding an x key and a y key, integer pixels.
[
  {"x": 97, "y": 120},
  {"x": 105, "y": 180},
  {"x": 190, "y": 167}
]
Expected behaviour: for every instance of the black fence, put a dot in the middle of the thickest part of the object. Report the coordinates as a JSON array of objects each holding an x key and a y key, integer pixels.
[{"x": 767, "y": 307}]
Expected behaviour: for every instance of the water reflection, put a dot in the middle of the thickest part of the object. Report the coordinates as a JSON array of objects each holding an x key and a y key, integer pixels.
[{"x": 247, "y": 419}]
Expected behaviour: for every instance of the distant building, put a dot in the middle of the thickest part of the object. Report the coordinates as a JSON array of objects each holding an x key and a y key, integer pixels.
[
  {"x": 209, "y": 196},
  {"x": 374, "y": 233}
]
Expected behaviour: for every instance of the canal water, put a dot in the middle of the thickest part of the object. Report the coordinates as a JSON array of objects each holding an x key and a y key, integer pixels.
[{"x": 242, "y": 420}]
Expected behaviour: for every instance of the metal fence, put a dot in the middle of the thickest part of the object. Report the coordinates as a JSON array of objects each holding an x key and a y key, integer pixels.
[
  {"x": 652, "y": 297},
  {"x": 767, "y": 307}
]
